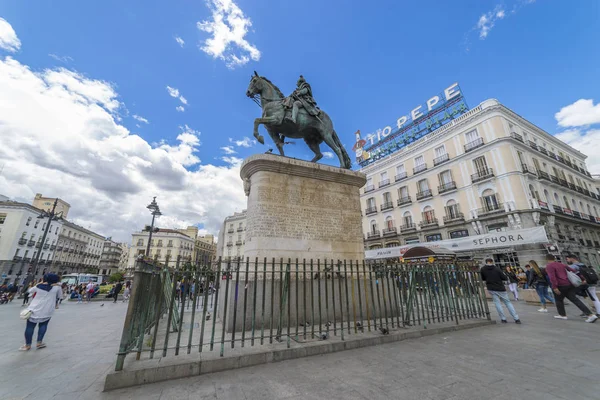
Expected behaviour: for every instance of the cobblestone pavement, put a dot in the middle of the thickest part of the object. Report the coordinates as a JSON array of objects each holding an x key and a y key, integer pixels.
[{"x": 543, "y": 358}]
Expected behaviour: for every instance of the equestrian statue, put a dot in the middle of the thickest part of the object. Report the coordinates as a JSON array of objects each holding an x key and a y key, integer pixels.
[{"x": 296, "y": 117}]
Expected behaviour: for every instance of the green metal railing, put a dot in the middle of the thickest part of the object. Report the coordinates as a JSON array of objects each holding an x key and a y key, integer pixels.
[{"x": 244, "y": 302}]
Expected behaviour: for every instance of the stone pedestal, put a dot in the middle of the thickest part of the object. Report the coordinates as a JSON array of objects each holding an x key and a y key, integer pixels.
[{"x": 299, "y": 209}]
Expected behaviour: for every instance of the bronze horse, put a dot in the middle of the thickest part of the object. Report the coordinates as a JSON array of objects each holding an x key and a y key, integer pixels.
[{"x": 313, "y": 129}]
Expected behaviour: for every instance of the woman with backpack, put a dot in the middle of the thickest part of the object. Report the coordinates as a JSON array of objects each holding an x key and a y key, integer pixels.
[{"x": 539, "y": 280}]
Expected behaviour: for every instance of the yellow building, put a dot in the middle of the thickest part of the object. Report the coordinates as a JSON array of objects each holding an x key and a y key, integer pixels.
[
  {"x": 46, "y": 203},
  {"x": 488, "y": 170}
]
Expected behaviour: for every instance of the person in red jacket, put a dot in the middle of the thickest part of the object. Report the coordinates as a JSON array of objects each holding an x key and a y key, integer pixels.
[{"x": 562, "y": 287}]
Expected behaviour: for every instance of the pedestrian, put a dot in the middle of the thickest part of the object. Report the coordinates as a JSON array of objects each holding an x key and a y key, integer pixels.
[
  {"x": 588, "y": 275},
  {"x": 539, "y": 281},
  {"x": 522, "y": 277},
  {"x": 127, "y": 291},
  {"x": 527, "y": 276},
  {"x": 562, "y": 288},
  {"x": 118, "y": 288},
  {"x": 493, "y": 277},
  {"x": 42, "y": 307},
  {"x": 512, "y": 282},
  {"x": 90, "y": 291},
  {"x": 26, "y": 294}
]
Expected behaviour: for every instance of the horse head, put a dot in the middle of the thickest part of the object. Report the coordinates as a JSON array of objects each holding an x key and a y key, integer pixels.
[
  {"x": 261, "y": 86},
  {"x": 256, "y": 85}
]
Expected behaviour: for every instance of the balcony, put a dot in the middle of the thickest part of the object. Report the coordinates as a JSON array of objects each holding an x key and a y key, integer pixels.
[
  {"x": 408, "y": 227},
  {"x": 46, "y": 246},
  {"x": 27, "y": 259},
  {"x": 22, "y": 242},
  {"x": 527, "y": 169},
  {"x": 59, "y": 248},
  {"x": 419, "y": 168},
  {"x": 240, "y": 229},
  {"x": 579, "y": 189},
  {"x": 369, "y": 188},
  {"x": 576, "y": 214},
  {"x": 554, "y": 179},
  {"x": 388, "y": 205},
  {"x": 390, "y": 231},
  {"x": 482, "y": 175},
  {"x": 543, "y": 205},
  {"x": 383, "y": 183},
  {"x": 589, "y": 243},
  {"x": 238, "y": 242},
  {"x": 455, "y": 217},
  {"x": 371, "y": 210},
  {"x": 230, "y": 230},
  {"x": 516, "y": 136},
  {"x": 31, "y": 243},
  {"x": 582, "y": 242},
  {"x": 170, "y": 245},
  {"x": 373, "y": 234},
  {"x": 17, "y": 258},
  {"x": 533, "y": 145},
  {"x": 447, "y": 187},
  {"x": 441, "y": 159},
  {"x": 404, "y": 200},
  {"x": 52, "y": 247},
  {"x": 425, "y": 194},
  {"x": 543, "y": 175},
  {"x": 432, "y": 222},
  {"x": 558, "y": 209},
  {"x": 596, "y": 244},
  {"x": 400, "y": 176},
  {"x": 159, "y": 244},
  {"x": 543, "y": 151},
  {"x": 493, "y": 208},
  {"x": 473, "y": 145}
]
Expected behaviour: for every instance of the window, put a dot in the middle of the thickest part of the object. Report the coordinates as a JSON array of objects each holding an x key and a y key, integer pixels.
[
  {"x": 412, "y": 240},
  {"x": 37, "y": 222},
  {"x": 459, "y": 234},
  {"x": 440, "y": 151},
  {"x": 428, "y": 215},
  {"x": 403, "y": 192},
  {"x": 28, "y": 221},
  {"x": 480, "y": 165},
  {"x": 566, "y": 202},
  {"x": 389, "y": 222},
  {"x": 140, "y": 242},
  {"x": 371, "y": 203},
  {"x": 56, "y": 233},
  {"x": 373, "y": 225},
  {"x": 497, "y": 227},
  {"x": 520, "y": 157},
  {"x": 383, "y": 176},
  {"x": 536, "y": 164},
  {"x": 23, "y": 235},
  {"x": 452, "y": 210},
  {"x": 434, "y": 237},
  {"x": 419, "y": 161},
  {"x": 2, "y": 218},
  {"x": 556, "y": 200},
  {"x": 32, "y": 236},
  {"x": 555, "y": 172},
  {"x": 387, "y": 197},
  {"x": 168, "y": 252},
  {"x": 170, "y": 244},
  {"x": 471, "y": 136},
  {"x": 490, "y": 200},
  {"x": 407, "y": 219},
  {"x": 445, "y": 177},
  {"x": 589, "y": 210},
  {"x": 533, "y": 192},
  {"x": 423, "y": 185},
  {"x": 400, "y": 169},
  {"x": 17, "y": 252}
]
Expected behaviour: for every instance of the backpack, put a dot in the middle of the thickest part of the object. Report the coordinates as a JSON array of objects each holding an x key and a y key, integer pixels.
[{"x": 588, "y": 274}]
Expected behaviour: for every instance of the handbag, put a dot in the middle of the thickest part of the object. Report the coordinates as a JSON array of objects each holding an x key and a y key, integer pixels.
[
  {"x": 573, "y": 278},
  {"x": 25, "y": 314}
]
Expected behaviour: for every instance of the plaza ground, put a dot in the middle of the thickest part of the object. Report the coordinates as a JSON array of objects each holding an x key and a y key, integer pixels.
[{"x": 541, "y": 359}]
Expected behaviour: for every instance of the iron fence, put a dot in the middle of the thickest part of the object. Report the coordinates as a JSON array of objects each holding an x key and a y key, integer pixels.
[{"x": 241, "y": 302}]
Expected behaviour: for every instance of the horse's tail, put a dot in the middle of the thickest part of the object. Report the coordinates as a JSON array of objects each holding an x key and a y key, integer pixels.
[{"x": 347, "y": 161}]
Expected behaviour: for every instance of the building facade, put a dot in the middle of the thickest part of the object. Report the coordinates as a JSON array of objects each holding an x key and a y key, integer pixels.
[
  {"x": 166, "y": 246},
  {"x": 232, "y": 236},
  {"x": 205, "y": 249},
  {"x": 487, "y": 170},
  {"x": 46, "y": 204},
  {"x": 21, "y": 233},
  {"x": 78, "y": 250},
  {"x": 110, "y": 259}
]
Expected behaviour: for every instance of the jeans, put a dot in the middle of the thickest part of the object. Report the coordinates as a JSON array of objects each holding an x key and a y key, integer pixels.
[
  {"x": 513, "y": 288},
  {"x": 499, "y": 297},
  {"x": 569, "y": 293},
  {"x": 29, "y": 331},
  {"x": 542, "y": 291}
]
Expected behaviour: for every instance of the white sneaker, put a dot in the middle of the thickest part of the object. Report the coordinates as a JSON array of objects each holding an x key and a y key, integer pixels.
[
  {"x": 591, "y": 319},
  {"x": 543, "y": 310},
  {"x": 560, "y": 317}
]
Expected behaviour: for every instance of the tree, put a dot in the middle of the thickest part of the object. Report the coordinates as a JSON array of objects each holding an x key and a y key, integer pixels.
[{"x": 116, "y": 277}]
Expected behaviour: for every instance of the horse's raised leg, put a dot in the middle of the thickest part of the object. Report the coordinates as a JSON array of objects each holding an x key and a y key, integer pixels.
[
  {"x": 258, "y": 137},
  {"x": 328, "y": 138},
  {"x": 314, "y": 146}
]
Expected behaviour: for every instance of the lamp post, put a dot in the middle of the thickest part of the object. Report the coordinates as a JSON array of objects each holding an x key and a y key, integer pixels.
[
  {"x": 155, "y": 211},
  {"x": 52, "y": 216}
]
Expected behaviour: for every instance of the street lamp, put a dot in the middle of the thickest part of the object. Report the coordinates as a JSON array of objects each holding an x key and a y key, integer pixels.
[
  {"x": 155, "y": 211},
  {"x": 52, "y": 216}
]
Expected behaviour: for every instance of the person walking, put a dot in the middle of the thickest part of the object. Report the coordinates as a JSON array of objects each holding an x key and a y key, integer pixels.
[
  {"x": 26, "y": 295},
  {"x": 588, "y": 275},
  {"x": 89, "y": 291},
  {"x": 528, "y": 276},
  {"x": 494, "y": 279},
  {"x": 562, "y": 287},
  {"x": 118, "y": 288},
  {"x": 537, "y": 280},
  {"x": 127, "y": 291},
  {"x": 42, "y": 308},
  {"x": 512, "y": 282}
]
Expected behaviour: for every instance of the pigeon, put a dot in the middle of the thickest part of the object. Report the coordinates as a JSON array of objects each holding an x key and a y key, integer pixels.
[
  {"x": 269, "y": 151},
  {"x": 328, "y": 323},
  {"x": 102, "y": 305},
  {"x": 359, "y": 326},
  {"x": 384, "y": 331},
  {"x": 323, "y": 336},
  {"x": 208, "y": 317}
]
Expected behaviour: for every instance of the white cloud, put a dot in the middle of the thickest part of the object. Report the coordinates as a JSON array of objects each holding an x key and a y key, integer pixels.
[
  {"x": 140, "y": 118},
  {"x": 245, "y": 142},
  {"x": 8, "y": 37},
  {"x": 234, "y": 162},
  {"x": 180, "y": 108},
  {"x": 586, "y": 142},
  {"x": 228, "y": 27},
  {"x": 183, "y": 99},
  {"x": 179, "y": 41},
  {"x": 488, "y": 20},
  {"x": 63, "y": 59},
  {"x": 173, "y": 92},
  {"x": 328, "y": 154},
  {"x": 60, "y": 137},
  {"x": 228, "y": 150},
  {"x": 582, "y": 112}
]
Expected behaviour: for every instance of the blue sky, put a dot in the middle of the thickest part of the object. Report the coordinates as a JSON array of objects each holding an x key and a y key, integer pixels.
[{"x": 368, "y": 63}]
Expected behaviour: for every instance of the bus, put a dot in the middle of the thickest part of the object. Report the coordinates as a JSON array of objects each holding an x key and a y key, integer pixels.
[{"x": 76, "y": 279}]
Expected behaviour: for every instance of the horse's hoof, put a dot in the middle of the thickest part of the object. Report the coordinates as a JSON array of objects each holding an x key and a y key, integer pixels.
[{"x": 261, "y": 139}]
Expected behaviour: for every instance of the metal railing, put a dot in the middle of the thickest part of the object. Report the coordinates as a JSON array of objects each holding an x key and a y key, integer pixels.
[
  {"x": 441, "y": 159},
  {"x": 384, "y": 182},
  {"x": 371, "y": 210},
  {"x": 424, "y": 194},
  {"x": 400, "y": 176},
  {"x": 270, "y": 302},
  {"x": 482, "y": 175},
  {"x": 419, "y": 168},
  {"x": 373, "y": 234},
  {"x": 404, "y": 200},
  {"x": 446, "y": 187},
  {"x": 473, "y": 145},
  {"x": 387, "y": 205},
  {"x": 390, "y": 231}
]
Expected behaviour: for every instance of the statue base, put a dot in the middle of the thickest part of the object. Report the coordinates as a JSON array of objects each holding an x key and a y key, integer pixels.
[{"x": 301, "y": 210}]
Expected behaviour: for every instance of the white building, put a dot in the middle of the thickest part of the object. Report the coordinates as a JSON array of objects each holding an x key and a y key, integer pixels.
[
  {"x": 21, "y": 233},
  {"x": 232, "y": 236},
  {"x": 78, "y": 250},
  {"x": 166, "y": 246},
  {"x": 487, "y": 170}
]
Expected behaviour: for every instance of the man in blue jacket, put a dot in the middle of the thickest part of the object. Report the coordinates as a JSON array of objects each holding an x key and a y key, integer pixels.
[{"x": 494, "y": 279}]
